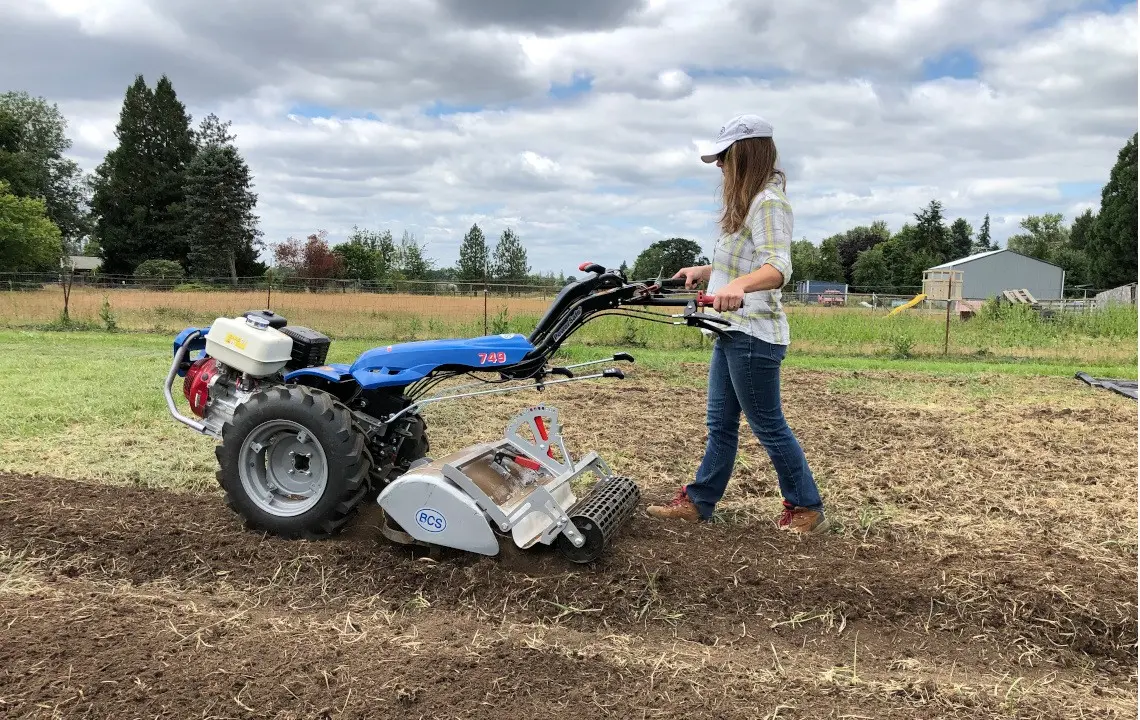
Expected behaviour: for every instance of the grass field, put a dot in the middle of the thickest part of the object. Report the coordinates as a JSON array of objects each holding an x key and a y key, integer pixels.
[{"x": 983, "y": 562}]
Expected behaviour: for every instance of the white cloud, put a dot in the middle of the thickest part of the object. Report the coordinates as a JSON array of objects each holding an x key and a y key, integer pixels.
[{"x": 602, "y": 174}]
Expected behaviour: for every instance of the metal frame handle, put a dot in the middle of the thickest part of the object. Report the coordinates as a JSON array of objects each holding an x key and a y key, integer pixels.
[{"x": 178, "y": 358}]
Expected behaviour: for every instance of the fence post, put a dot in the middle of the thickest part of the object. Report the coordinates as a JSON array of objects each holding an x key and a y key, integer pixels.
[{"x": 949, "y": 300}]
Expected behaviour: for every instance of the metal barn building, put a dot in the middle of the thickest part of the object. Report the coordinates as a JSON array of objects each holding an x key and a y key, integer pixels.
[{"x": 987, "y": 274}]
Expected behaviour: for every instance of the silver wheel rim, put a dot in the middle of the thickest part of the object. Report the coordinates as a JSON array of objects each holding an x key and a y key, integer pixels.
[{"x": 283, "y": 469}]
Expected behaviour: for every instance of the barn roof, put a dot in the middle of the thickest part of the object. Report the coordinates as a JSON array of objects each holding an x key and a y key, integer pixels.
[
  {"x": 82, "y": 262},
  {"x": 979, "y": 256}
]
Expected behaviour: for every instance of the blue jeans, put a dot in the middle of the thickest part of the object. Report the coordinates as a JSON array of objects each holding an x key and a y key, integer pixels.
[{"x": 745, "y": 376}]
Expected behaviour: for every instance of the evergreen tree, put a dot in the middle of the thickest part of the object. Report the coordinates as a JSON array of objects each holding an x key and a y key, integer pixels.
[
  {"x": 623, "y": 269},
  {"x": 220, "y": 204},
  {"x": 510, "y": 258},
  {"x": 931, "y": 237},
  {"x": 961, "y": 239},
  {"x": 472, "y": 264},
  {"x": 139, "y": 198},
  {"x": 221, "y": 226},
  {"x": 983, "y": 242},
  {"x": 1112, "y": 248},
  {"x": 212, "y": 132},
  {"x": 124, "y": 188},
  {"x": 174, "y": 150}
]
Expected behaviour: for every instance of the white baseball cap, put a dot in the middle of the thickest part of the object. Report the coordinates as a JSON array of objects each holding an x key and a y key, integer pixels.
[{"x": 738, "y": 128}]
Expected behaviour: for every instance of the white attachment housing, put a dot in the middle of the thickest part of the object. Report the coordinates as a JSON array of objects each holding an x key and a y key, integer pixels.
[
  {"x": 456, "y": 501},
  {"x": 249, "y": 345}
]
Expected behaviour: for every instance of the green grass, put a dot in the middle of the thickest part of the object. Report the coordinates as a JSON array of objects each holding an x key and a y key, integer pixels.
[{"x": 89, "y": 404}]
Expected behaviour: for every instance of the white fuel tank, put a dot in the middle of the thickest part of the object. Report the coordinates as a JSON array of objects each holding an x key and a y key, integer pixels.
[{"x": 249, "y": 345}]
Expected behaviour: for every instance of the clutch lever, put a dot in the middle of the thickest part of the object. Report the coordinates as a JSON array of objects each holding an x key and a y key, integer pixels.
[{"x": 706, "y": 322}]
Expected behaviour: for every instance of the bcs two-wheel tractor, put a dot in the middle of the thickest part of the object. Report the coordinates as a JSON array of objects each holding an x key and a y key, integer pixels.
[{"x": 304, "y": 443}]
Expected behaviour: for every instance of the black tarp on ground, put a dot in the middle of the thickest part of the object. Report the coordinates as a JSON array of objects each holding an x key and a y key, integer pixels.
[{"x": 1122, "y": 387}]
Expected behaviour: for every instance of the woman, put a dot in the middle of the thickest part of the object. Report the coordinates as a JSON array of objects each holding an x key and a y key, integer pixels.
[{"x": 750, "y": 266}]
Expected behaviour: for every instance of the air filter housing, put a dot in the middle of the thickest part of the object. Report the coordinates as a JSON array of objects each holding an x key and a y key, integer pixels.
[{"x": 309, "y": 347}]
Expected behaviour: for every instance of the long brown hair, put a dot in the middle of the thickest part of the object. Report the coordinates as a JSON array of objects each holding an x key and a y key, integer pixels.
[{"x": 749, "y": 165}]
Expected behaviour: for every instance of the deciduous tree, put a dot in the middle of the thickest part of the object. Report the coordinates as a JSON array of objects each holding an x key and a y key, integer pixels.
[
  {"x": 29, "y": 240},
  {"x": 33, "y": 143},
  {"x": 666, "y": 257},
  {"x": 310, "y": 258}
]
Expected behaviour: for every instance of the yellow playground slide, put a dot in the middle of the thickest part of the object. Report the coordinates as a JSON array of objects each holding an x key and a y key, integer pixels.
[{"x": 913, "y": 301}]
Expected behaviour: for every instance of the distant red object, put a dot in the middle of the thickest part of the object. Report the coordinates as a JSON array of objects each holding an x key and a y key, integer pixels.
[{"x": 831, "y": 297}]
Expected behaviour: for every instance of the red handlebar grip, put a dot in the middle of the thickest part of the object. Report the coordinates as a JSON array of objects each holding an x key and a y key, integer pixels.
[
  {"x": 583, "y": 266},
  {"x": 703, "y": 299}
]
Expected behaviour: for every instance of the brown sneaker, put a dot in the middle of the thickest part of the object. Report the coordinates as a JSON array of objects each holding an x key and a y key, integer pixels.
[
  {"x": 786, "y": 516},
  {"x": 679, "y": 508},
  {"x": 801, "y": 520}
]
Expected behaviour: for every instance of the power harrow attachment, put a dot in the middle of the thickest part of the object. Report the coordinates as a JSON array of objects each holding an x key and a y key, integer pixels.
[
  {"x": 521, "y": 485},
  {"x": 303, "y": 442}
]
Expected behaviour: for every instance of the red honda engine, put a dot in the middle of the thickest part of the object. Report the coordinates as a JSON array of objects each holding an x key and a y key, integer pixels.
[{"x": 196, "y": 387}]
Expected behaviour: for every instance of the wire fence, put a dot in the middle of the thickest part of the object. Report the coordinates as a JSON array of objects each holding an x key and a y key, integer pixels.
[
  {"x": 402, "y": 308},
  {"x": 276, "y": 283}
]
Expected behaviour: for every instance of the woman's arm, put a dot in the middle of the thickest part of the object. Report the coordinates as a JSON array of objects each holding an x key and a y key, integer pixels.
[
  {"x": 772, "y": 258},
  {"x": 694, "y": 275}
]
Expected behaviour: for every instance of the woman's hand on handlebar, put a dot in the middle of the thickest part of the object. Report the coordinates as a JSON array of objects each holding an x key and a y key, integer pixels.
[{"x": 694, "y": 276}]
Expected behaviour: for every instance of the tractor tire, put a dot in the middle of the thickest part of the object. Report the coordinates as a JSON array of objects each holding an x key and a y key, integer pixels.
[{"x": 292, "y": 463}]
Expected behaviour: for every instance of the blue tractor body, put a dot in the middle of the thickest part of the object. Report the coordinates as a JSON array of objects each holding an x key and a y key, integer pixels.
[
  {"x": 402, "y": 364},
  {"x": 304, "y": 442}
]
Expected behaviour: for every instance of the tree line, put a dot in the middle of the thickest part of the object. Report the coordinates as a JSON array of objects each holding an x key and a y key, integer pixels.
[
  {"x": 167, "y": 199},
  {"x": 375, "y": 256},
  {"x": 173, "y": 201},
  {"x": 170, "y": 200},
  {"x": 1097, "y": 249}
]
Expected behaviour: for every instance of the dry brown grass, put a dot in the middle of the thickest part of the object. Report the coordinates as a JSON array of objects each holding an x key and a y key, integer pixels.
[{"x": 338, "y": 314}]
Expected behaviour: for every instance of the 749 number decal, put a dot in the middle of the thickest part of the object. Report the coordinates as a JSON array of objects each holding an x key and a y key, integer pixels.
[{"x": 492, "y": 357}]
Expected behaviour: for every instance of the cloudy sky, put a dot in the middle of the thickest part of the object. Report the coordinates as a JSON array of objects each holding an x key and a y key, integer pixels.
[{"x": 579, "y": 123}]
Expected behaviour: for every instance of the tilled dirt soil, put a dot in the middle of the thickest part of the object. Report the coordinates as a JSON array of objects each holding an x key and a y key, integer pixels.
[{"x": 120, "y": 602}]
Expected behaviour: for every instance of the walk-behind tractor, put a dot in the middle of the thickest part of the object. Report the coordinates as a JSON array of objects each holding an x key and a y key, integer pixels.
[{"x": 303, "y": 443}]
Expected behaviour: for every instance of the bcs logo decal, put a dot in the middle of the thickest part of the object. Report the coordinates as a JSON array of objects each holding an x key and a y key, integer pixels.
[{"x": 431, "y": 520}]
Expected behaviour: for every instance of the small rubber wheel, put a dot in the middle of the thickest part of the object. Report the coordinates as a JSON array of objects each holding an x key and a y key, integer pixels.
[{"x": 292, "y": 463}]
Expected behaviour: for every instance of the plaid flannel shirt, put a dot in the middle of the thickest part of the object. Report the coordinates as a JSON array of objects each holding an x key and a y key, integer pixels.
[{"x": 765, "y": 238}]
